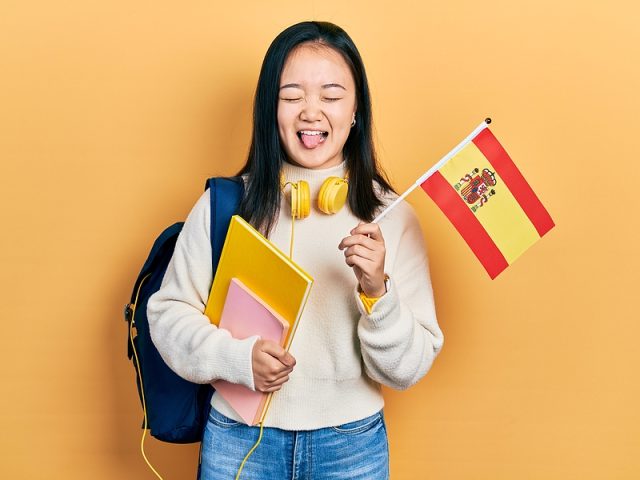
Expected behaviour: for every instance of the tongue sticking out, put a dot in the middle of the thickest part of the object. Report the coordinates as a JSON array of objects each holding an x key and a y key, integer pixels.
[{"x": 311, "y": 141}]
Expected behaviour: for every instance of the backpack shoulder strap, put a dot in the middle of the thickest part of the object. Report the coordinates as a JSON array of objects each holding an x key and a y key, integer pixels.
[
  {"x": 163, "y": 243},
  {"x": 226, "y": 195}
]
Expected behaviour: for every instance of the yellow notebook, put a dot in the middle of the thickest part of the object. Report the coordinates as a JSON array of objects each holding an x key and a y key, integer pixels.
[{"x": 265, "y": 270}]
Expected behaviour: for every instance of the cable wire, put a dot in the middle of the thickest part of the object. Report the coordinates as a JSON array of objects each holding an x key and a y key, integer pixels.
[
  {"x": 144, "y": 403},
  {"x": 250, "y": 451}
]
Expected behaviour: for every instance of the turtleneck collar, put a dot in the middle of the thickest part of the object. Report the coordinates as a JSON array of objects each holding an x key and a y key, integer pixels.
[{"x": 315, "y": 178}]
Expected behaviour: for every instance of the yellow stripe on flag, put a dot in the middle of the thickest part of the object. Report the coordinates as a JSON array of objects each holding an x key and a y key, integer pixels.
[{"x": 501, "y": 216}]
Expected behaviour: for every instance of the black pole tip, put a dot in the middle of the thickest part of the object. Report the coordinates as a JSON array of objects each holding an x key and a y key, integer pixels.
[{"x": 487, "y": 120}]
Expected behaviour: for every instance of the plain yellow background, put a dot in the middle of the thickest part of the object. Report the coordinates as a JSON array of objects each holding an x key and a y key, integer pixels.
[{"x": 113, "y": 113}]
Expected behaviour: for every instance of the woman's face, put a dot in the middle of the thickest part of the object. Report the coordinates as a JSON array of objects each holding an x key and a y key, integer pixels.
[{"x": 316, "y": 105}]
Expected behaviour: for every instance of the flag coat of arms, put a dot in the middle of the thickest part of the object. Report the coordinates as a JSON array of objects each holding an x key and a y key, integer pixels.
[{"x": 487, "y": 199}]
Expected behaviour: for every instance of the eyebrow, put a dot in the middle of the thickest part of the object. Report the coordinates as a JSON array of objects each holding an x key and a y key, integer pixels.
[{"x": 297, "y": 85}]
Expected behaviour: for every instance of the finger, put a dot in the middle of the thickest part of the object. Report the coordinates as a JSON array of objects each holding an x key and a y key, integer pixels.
[
  {"x": 365, "y": 265},
  {"x": 280, "y": 368},
  {"x": 273, "y": 349},
  {"x": 366, "y": 229},
  {"x": 364, "y": 252},
  {"x": 356, "y": 270},
  {"x": 276, "y": 369},
  {"x": 269, "y": 357},
  {"x": 360, "y": 239},
  {"x": 278, "y": 352},
  {"x": 271, "y": 389},
  {"x": 270, "y": 386},
  {"x": 278, "y": 381},
  {"x": 266, "y": 389},
  {"x": 265, "y": 382},
  {"x": 287, "y": 359},
  {"x": 370, "y": 229}
]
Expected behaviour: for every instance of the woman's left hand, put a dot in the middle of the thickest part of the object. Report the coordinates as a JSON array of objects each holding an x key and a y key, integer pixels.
[{"x": 364, "y": 251}]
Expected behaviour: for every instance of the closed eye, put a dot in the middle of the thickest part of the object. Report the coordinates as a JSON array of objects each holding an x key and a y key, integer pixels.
[{"x": 296, "y": 99}]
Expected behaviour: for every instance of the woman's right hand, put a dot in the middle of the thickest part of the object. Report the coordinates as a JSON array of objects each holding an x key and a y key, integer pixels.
[{"x": 271, "y": 364}]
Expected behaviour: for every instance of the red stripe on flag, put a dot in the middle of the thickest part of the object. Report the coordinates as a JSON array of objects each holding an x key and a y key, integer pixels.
[
  {"x": 488, "y": 144},
  {"x": 466, "y": 223}
]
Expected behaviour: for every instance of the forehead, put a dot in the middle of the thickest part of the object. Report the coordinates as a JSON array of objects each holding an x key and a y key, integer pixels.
[{"x": 311, "y": 64}]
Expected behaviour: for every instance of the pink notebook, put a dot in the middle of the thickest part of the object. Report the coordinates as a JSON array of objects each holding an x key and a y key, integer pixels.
[{"x": 244, "y": 314}]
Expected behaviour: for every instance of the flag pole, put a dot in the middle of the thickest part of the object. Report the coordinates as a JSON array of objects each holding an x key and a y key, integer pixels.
[{"x": 435, "y": 168}]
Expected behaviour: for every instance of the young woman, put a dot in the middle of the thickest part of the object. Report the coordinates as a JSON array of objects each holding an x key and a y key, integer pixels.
[{"x": 370, "y": 319}]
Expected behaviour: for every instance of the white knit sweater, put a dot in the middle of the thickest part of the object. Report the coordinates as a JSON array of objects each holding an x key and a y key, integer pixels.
[{"x": 342, "y": 353}]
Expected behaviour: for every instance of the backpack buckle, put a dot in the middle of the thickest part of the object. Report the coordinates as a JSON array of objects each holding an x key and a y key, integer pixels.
[{"x": 128, "y": 312}]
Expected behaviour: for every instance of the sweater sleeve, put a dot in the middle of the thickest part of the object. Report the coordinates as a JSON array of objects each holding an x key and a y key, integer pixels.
[
  {"x": 400, "y": 337},
  {"x": 188, "y": 342}
]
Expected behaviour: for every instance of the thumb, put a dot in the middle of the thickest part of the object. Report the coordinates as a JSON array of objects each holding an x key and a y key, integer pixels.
[
  {"x": 274, "y": 349},
  {"x": 287, "y": 359}
]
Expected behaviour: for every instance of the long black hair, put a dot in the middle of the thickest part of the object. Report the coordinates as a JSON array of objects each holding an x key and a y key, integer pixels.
[{"x": 261, "y": 203}]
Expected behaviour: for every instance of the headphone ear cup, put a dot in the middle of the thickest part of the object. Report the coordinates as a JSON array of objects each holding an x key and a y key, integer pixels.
[
  {"x": 300, "y": 200},
  {"x": 305, "y": 199},
  {"x": 333, "y": 195}
]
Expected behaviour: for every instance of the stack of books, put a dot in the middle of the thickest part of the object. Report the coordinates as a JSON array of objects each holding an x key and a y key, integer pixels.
[{"x": 257, "y": 290}]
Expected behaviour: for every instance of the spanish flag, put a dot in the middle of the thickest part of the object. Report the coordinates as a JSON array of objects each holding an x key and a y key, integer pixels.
[{"x": 489, "y": 202}]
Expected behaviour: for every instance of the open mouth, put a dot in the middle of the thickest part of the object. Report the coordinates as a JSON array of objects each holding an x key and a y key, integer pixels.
[{"x": 312, "y": 138}]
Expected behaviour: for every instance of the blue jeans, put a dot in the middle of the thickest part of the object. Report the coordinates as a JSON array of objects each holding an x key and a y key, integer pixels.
[{"x": 356, "y": 451}]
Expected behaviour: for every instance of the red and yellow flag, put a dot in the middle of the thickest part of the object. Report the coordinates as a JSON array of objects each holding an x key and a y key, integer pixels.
[{"x": 489, "y": 202}]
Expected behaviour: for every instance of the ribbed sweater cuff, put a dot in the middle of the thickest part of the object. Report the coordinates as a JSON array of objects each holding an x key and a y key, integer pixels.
[
  {"x": 381, "y": 307},
  {"x": 235, "y": 360}
]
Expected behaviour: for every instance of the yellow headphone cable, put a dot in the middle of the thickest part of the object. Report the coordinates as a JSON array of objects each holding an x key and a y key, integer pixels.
[{"x": 144, "y": 404}]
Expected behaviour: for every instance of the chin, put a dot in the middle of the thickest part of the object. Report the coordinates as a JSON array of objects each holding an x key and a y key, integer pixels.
[{"x": 320, "y": 163}]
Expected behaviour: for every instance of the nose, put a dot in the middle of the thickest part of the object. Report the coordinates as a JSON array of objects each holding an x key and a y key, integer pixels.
[{"x": 311, "y": 111}]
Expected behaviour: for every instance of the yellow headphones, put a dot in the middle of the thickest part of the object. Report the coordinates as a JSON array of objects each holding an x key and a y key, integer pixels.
[{"x": 331, "y": 198}]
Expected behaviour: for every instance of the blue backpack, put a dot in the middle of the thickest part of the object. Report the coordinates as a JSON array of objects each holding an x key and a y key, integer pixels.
[{"x": 176, "y": 410}]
